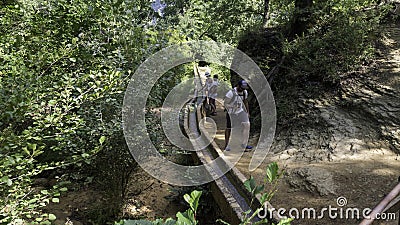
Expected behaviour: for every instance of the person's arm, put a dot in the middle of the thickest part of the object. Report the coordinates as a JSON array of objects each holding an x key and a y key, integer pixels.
[
  {"x": 246, "y": 104},
  {"x": 228, "y": 100},
  {"x": 204, "y": 89}
]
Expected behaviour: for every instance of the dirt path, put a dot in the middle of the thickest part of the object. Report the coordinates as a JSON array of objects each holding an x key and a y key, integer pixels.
[{"x": 346, "y": 148}]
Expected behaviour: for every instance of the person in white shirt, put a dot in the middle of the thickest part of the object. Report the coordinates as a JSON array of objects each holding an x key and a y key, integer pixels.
[
  {"x": 212, "y": 94},
  {"x": 237, "y": 115},
  {"x": 208, "y": 84}
]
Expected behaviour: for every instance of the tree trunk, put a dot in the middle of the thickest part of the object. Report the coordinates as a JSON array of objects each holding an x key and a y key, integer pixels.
[
  {"x": 266, "y": 13},
  {"x": 301, "y": 17}
]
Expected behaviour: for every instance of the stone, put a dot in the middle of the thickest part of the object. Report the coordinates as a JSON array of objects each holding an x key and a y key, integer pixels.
[{"x": 312, "y": 179}]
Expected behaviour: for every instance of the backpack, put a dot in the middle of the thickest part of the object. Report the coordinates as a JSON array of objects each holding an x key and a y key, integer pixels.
[{"x": 236, "y": 96}]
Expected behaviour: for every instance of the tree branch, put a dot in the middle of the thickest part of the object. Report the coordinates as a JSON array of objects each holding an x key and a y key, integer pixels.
[{"x": 271, "y": 74}]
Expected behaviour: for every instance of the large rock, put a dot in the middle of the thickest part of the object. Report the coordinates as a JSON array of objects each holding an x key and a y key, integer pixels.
[{"x": 312, "y": 179}]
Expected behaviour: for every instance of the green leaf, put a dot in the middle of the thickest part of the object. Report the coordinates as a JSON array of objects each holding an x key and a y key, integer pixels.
[
  {"x": 272, "y": 172},
  {"x": 264, "y": 198},
  {"x": 52, "y": 102},
  {"x": 55, "y": 200},
  {"x": 52, "y": 217},
  {"x": 74, "y": 40},
  {"x": 285, "y": 221},
  {"x": 19, "y": 167},
  {"x": 193, "y": 199},
  {"x": 183, "y": 219},
  {"x": 32, "y": 146},
  {"x": 26, "y": 150},
  {"x": 33, "y": 200},
  {"x": 258, "y": 189},
  {"x": 170, "y": 221},
  {"x": 102, "y": 139},
  {"x": 247, "y": 185},
  {"x": 188, "y": 199},
  {"x": 64, "y": 189}
]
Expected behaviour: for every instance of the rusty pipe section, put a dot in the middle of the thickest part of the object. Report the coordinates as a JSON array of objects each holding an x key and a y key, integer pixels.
[{"x": 381, "y": 206}]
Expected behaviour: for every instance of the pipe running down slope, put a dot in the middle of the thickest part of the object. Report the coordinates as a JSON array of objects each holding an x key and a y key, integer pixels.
[{"x": 228, "y": 188}]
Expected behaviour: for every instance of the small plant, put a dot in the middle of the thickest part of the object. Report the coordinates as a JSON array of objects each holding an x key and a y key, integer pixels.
[
  {"x": 186, "y": 218},
  {"x": 273, "y": 174}
]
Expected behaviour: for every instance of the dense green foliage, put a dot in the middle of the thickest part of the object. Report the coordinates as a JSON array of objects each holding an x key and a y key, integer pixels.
[
  {"x": 64, "y": 67},
  {"x": 340, "y": 37},
  {"x": 63, "y": 72}
]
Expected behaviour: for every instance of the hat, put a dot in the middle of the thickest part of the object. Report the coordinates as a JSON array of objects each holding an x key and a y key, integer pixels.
[
  {"x": 243, "y": 84},
  {"x": 207, "y": 74}
]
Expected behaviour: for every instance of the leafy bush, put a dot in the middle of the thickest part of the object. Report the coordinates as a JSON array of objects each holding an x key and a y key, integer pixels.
[
  {"x": 64, "y": 68},
  {"x": 340, "y": 39}
]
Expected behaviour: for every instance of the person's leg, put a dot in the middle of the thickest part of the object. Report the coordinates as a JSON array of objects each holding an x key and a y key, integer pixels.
[
  {"x": 227, "y": 136},
  {"x": 246, "y": 133},
  {"x": 214, "y": 107},
  {"x": 227, "y": 132},
  {"x": 245, "y": 123}
]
